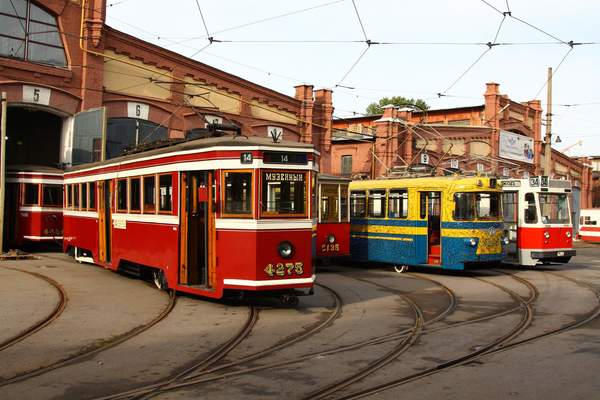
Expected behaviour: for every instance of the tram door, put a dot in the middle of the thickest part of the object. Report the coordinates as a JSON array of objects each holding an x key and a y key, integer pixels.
[
  {"x": 197, "y": 266},
  {"x": 104, "y": 221},
  {"x": 510, "y": 214},
  {"x": 431, "y": 206}
]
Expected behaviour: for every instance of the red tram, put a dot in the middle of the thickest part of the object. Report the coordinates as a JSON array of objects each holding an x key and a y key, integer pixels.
[
  {"x": 209, "y": 216},
  {"x": 537, "y": 218},
  {"x": 333, "y": 223},
  {"x": 34, "y": 200}
]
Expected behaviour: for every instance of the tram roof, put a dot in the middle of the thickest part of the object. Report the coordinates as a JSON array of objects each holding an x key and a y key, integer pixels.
[
  {"x": 462, "y": 182},
  {"x": 203, "y": 143},
  {"x": 33, "y": 168}
]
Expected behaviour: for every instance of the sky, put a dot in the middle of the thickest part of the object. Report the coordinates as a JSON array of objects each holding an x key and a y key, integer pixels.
[{"x": 423, "y": 48}]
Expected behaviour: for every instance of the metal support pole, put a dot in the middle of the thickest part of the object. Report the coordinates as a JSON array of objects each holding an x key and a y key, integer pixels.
[
  {"x": 2, "y": 168},
  {"x": 548, "y": 144}
]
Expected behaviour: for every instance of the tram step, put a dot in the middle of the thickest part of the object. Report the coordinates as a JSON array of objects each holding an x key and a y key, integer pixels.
[
  {"x": 433, "y": 260},
  {"x": 435, "y": 250}
]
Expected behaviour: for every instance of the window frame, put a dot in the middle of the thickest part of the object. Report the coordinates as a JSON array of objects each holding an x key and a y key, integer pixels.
[
  {"x": 383, "y": 200},
  {"x": 275, "y": 215},
  {"x": 351, "y": 198},
  {"x": 130, "y": 194},
  {"x": 92, "y": 196},
  {"x": 24, "y": 195},
  {"x": 251, "y": 214},
  {"x": 143, "y": 207},
  {"x": 528, "y": 206},
  {"x": 77, "y": 196},
  {"x": 84, "y": 202},
  {"x": 170, "y": 211},
  {"x": 61, "y": 188},
  {"x": 401, "y": 191},
  {"x": 117, "y": 194},
  {"x": 68, "y": 199}
]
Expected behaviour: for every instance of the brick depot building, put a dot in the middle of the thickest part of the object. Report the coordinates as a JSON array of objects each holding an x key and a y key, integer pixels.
[
  {"x": 481, "y": 138},
  {"x": 63, "y": 93}
]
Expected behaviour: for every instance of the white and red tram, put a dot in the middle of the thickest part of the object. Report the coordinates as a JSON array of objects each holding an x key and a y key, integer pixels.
[
  {"x": 333, "y": 223},
  {"x": 207, "y": 217},
  {"x": 589, "y": 225},
  {"x": 537, "y": 217},
  {"x": 33, "y": 204}
]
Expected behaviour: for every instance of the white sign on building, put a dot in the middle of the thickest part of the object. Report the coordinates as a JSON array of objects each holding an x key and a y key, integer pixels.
[
  {"x": 36, "y": 95},
  {"x": 516, "y": 147},
  {"x": 275, "y": 133},
  {"x": 480, "y": 167},
  {"x": 454, "y": 163},
  {"x": 424, "y": 158},
  {"x": 213, "y": 119},
  {"x": 138, "y": 110}
]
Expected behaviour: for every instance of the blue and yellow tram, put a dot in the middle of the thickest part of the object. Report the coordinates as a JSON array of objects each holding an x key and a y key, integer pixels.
[{"x": 446, "y": 222}]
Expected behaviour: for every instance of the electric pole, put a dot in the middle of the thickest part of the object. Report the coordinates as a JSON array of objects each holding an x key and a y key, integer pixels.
[
  {"x": 2, "y": 168},
  {"x": 547, "y": 145}
]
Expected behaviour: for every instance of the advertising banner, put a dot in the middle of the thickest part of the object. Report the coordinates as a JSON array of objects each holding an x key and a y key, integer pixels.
[{"x": 516, "y": 147}]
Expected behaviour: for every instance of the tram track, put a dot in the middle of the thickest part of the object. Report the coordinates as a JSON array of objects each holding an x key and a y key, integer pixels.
[
  {"x": 201, "y": 369},
  {"x": 107, "y": 344},
  {"x": 500, "y": 345},
  {"x": 53, "y": 315}
]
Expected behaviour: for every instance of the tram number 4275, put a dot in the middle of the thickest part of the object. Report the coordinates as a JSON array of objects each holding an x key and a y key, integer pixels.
[{"x": 281, "y": 269}]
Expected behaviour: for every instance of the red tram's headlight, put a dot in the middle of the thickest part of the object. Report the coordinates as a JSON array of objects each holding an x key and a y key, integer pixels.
[
  {"x": 331, "y": 238},
  {"x": 285, "y": 249},
  {"x": 547, "y": 235},
  {"x": 568, "y": 234}
]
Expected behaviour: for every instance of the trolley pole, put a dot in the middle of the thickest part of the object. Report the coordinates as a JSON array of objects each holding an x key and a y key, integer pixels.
[
  {"x": 548, "y": 144},
  {"x": 2, "y": 168}
]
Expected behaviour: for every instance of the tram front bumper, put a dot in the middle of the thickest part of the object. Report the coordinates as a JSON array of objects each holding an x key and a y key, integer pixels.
[{"x": 545, "y": 255}]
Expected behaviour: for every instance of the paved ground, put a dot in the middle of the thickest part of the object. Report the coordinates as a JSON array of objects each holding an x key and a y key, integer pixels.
[{"x": 368, "y": 332}]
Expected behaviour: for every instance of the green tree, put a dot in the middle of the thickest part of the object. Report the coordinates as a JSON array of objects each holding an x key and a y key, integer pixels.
[{"x": 377, "y": 108}]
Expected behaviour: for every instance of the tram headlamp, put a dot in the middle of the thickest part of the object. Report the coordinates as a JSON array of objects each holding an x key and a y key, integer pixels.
[
  {"x": 285, "y": 249},
  {"x": 568, "y": 234},
  {"x": 473, "y": 242},
  {"x": 331, "y": 239},
  {"x": 505, "y": 240},
  {"x": 547, "y": 235}
]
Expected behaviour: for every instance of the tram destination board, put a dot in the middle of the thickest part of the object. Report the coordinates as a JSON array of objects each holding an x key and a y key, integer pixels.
[{"x": 278, "y": 157}]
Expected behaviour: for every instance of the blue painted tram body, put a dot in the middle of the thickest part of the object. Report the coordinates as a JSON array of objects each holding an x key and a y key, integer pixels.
[{"x": 442, "y": 222}]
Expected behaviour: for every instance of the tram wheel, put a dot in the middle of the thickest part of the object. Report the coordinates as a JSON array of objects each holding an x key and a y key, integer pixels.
[
  {"x": 160, "y": 280},
  {"x": 291, "y": 300},
  {"x": 403, "y": 268}
]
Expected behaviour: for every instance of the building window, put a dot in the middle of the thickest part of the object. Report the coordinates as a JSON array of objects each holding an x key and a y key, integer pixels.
[
  {"x": 238, "y": 192},
  {"x": 30, "y": 33},
  {"x": 123, "y": 134},
  {"x": 165, "y": 190},
  {"x": 31, "y": 195},
  {"x": 346, "y": 165},
  {"x": 149, "y": 194}
]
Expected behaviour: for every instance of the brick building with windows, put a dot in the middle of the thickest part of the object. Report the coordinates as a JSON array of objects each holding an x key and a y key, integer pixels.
[{"x": 63, "y": 92}]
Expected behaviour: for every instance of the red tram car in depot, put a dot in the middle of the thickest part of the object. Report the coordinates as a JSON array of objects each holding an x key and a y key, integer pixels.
[
  {"x": 33, "y": 204},
  {"x": 537, "y": 218},
  {"x": 212, "y": 217},
  {"x": 333, "y": 220}
]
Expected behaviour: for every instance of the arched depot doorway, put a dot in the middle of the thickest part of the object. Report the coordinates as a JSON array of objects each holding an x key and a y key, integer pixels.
[{"x": 34, "y": 136}]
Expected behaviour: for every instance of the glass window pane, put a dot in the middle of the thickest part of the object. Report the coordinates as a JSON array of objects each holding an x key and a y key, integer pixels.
[
  {"x": 283, "y": 192},
  {"x": 52, "y": 195},
  {"x": 92, "y": 195},
  {"x": 38, "y": 14},
  {"x": 12, "y": 47},
  {"x": 120, "y": 135},
  {"x": 376, "y": 204},
  {"x": 464, "y": 207},
  {"x": 165, "y": 190},
  {"x": 122, "y": 195},
  {"x": 135, "y": 191},
  {"x": 151, "y": 132},
  {"x": 31, "y": 194},
  {"x": 14, "y": 7},
  {"x": 487, "y": 206},
  {"x": 358, "y": 204},
  {"x": 76, "y": 196},
  {"x": 149, "y": 194},
  {"x": 46, "y": 54},
  {"x": 238, "y": 192},
  {"x": 69, "y": 199},
  {"x": 84, "y": 196},
  {"x": 531, "y": 210},
  {"x": 44, "y": 34},
  {"x": 344, "y": 202},
  {"x": 398, "y": 204},
  {"x": 12, "y": 26},
  {"x": 329, "y": 203},
  {"x": 554, "y": 208},
  {"x": 509, "y": 207}
]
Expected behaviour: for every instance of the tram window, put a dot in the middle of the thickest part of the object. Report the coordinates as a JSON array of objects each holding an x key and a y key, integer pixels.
[
  {"x": 52, "y": 195},
  {"x": 134, "y": 193},
  {"x": 531, "y": 210},
  {"x": 76, "y": 196},
  {"x": 358, "y": 204},
  {"x": 554, "y": 208},
  {"x": 165, "y": 190},
  {"x": 423, "y": 205},
  {"x": 329, "y": 203},
  {"x": 398, "y": 204},
  {"x": 122, "y": 195},
  {"x": 149, "y": 184},
  {"x": 31, "y": 195},
  {"x": 283, "y": 193},
  {"x": 92, "y": 196},
  {"x": 344, "y": 202},
  {"x": 376, "y": 203},
  {"x": 238, "y": 193},
  {"x": 487, "y": 206},
  {"x": 464, "y": 207},
  {"x": 68, "y": 198},
  {"x": 509, "y": 206},
  {"x": 84, "y": 196}
]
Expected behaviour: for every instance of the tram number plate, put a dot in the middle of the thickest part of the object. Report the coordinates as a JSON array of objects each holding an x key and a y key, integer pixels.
[
  {"x": 560, "y": 253},
  {"x": 281, "y": 269},
  {"x": 330, "y": 247}
]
